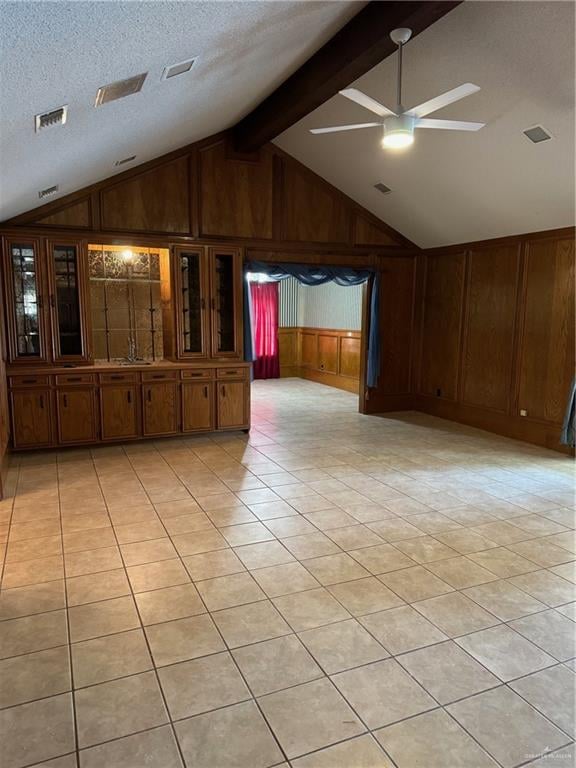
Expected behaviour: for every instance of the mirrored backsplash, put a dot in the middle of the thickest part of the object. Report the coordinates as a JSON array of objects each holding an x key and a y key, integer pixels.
[{"x": 126, "y": 302}]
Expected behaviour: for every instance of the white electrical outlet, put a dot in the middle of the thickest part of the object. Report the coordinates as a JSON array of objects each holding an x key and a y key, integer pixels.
[{"x": 523, "y": 412}]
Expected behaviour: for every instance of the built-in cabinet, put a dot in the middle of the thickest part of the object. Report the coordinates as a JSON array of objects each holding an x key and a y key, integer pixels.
[
  {"x": 49, "y": 320},
  {"x": 65, "y": 409},
  {"x": 46, "y": 304}
]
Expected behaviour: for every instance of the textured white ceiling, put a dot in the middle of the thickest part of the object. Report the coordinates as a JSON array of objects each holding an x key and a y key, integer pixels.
[
  {"x": 459, "y": 187},
  {"x": 54, "y": 53}
]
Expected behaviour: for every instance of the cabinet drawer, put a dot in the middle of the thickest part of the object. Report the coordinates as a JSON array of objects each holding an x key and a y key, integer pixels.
[
  {"x": 232, "y": 373},
  {"x": 29, "y": 381},
  {"x": 115, "y": 378},
  {"x": 159, "y": 375},
  {"x": 198, "y": 373},
  {"x": 75, "y": 378}
]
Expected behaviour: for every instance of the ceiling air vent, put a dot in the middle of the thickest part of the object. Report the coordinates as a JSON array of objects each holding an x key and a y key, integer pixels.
[
  {"x": 126, "y": 160},
  {"x": 178, "y": 69},
  {"x": 382, "y": 188},
  {"x": 49, "y": 119},
  {"x": 537, "y": 134},
  {"x": 48, "y": 191},
  {"x": 119, "y": 89}
]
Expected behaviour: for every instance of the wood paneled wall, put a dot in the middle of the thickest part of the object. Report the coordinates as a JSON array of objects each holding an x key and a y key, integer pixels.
[
  {"x": 323, "y": 355},
  {"x": 4, "y": 417},
  {"x": 496, "y": 334},
  {"x": 207, "y": 191}
]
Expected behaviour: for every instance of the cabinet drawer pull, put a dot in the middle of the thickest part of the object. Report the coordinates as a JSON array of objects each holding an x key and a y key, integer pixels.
[
  {"x": 129, "y": 396},
  {"x": 158, "y": 375},
  {"x": 223, "y": 391},
  {"x": 52, "y": 301},
  {"x": 206, "y": 391},
  {"x": 117, "y": 377},
  {"x": 149, "y": 395},
  {"x": 29, "y": 381},
  {"x": 40, "y": 302},
  {"x": 73, "y": 378},
  {"x": 42, "y": 401},
  {"x": 65, "y": 401},
  {"x": 195, "y": 374}
]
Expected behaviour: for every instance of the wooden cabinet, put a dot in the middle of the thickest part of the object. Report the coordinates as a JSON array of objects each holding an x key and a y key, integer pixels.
[
  {"x": 232, "y": 404},
  {"x": 31, "y": 417},
  {"x": 45, "y": 298},
  {"x": 76, "y": 415},
  {"x": 67, "y": 284},
  {"x": 226, "y": 303},
  {"x": 160, "y": 407},
  {"x": 197, "y": 406},
  {"x": 203, "y": 315},
  {"x": 119, "y": 412}
]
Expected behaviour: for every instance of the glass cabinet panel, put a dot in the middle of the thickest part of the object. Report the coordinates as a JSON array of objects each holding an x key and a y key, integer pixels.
[
  {"x": 27, "y": 300},
  {"x": 192, "y": 302},
  {"x": 66, "y": 300},
  {"x": 223, "y": 303}
]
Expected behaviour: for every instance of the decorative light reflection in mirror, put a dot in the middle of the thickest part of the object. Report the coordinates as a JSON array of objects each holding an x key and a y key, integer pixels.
[{"x": 125, "y": 300}]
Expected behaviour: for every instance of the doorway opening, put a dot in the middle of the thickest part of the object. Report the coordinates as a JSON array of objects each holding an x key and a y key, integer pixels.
[{"x": 313, "y": 323}]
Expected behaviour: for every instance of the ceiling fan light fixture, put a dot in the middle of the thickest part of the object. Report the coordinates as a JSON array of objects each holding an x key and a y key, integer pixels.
[{"x": 398, "y": 132}]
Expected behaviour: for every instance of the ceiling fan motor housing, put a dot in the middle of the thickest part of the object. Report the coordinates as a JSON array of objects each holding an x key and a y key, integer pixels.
[{"x": 399, "y": 131}]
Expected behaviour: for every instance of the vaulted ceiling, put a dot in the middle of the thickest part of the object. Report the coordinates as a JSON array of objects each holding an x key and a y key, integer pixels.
[
  {"x": 458, "y": 187},
  {"x": 56, "y": 53},
  {"x": 447, "y": 188}
]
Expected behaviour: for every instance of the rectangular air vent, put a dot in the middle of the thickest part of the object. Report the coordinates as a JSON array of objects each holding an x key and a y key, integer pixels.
[
  {"x": 49, "y": 119},
  {"x": 119, "y": 89},
  {"x": 126, "y": 160},
  {"x": 48, "y": 191},
  {"x": 178, "y": 69},
  {"x": 382, "y": 188},
  {"x": 537, "y": 134}
]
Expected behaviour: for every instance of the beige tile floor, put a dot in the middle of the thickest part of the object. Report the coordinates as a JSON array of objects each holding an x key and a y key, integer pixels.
[{"x": 333, "y": 591}]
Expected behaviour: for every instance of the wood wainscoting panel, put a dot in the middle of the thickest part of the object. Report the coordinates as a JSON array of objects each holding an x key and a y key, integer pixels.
[
  {"x": 546, "y": 354},
  {"x": 323, "y": 355},
  {"x": 350, "y": 348},
  {"x": 489, "y": 326},
  {"x": 441, "y": 325},
  {"x": 308, "y": 347},
  {"x": 235, "y": 195},
  {"x": 157, "y": 200},
  {"x": 328, "y": 352},
  {"x": 312, "y": 210}
]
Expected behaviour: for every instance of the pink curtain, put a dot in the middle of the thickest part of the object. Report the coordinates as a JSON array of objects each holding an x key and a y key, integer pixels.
[{"x": 265, "y": 321}]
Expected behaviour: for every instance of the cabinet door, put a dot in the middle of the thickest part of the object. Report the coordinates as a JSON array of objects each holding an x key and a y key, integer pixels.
[
  {"x": 232, "y": 404},
  {"x": 191, "y": 298},
  {"x": 197, "y": 406},
  {"x": 226, "y": 302},
  {"x": 160, "y": 408},
  {"x": 67, "y": 282},
  {"x": 31, "y": 422},
  {"x": 119, "y": 412},
  {"x": 26, "y": 301},
  {"x": 76, "y": 414}
]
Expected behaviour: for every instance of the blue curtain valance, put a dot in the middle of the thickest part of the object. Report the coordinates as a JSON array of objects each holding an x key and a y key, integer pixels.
[{"x": 309, "y": 275}]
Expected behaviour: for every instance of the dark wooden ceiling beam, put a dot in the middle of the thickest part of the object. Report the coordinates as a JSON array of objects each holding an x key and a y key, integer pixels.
[{"x": 353, "y": 51}]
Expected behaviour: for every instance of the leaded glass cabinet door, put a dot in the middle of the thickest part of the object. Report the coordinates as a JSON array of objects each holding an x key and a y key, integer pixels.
[
  {"x": 67, "y": 280},
  {"x": 191, "y": 288},
  {"x": 26, "y": 298},
  {"x": 226, "y": 302}
]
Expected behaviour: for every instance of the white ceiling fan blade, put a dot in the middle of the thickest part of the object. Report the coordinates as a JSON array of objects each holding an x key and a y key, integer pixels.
[
  {"x": 367, "y": 101},
  {"x": 442, "y": 101},
  {"x": 449, "y": 125},
  {"x": 336, "y": 128}
]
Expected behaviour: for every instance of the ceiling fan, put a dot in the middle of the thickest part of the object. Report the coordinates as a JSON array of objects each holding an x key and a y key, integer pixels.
[{"x": 399, "y": 125}]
